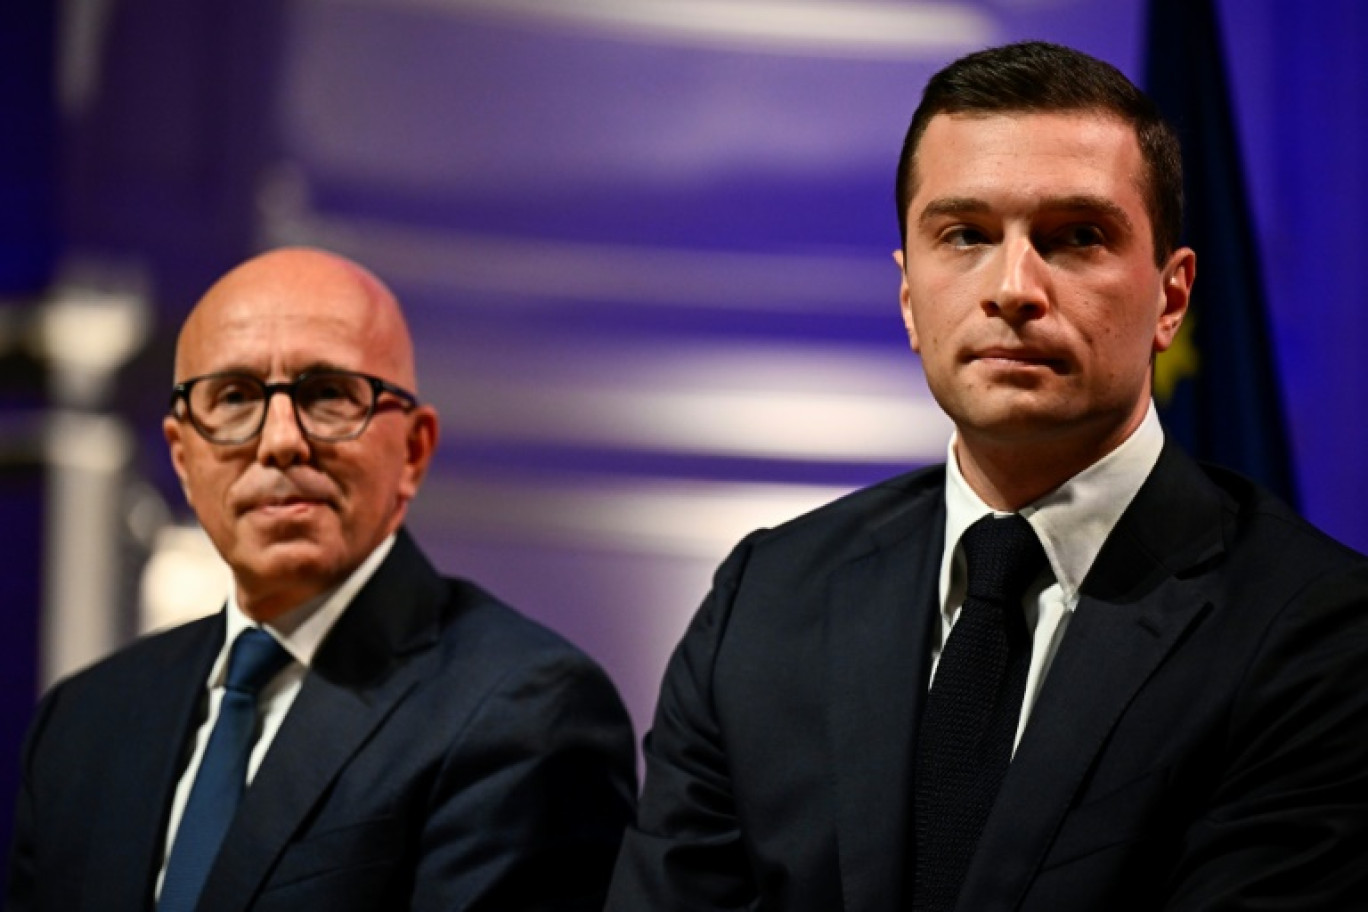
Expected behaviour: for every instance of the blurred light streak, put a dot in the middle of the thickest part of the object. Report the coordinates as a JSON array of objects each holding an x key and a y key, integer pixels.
[
  {"x": 82, "y": 49},
  {"x": 562, "y": 270},
  {"x": 800, "y": 27},
  {"x": 184, "y": 579},
  {"x": 849, "y": 427},
  {"x": 810, "y": 402},
  {"x": 674, "y": 518},
  {"x": 87, "y": 333},
  {"x": 88, "y": 457}
]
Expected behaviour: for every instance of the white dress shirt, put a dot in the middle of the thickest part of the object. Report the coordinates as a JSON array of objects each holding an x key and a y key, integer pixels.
[
  {"x": 1071, "y": 522},
  {"x": 300, "y": 631}
]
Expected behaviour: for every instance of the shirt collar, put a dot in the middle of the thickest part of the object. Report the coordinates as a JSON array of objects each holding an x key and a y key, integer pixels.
[
  {"x": 301, "y": 630},
  {"x": 1073, "y": 520}
]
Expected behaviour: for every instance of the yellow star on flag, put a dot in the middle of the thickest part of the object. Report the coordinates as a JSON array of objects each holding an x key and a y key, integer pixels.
[{"x": 1181, "y": 360}]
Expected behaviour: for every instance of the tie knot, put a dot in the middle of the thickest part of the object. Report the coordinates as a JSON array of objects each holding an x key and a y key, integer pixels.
[
  {"x": 1002, "y": 556},
  {"x": 254, "y": 660}
]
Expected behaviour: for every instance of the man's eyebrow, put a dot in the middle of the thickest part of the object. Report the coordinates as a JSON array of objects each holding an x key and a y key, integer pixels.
[
  {"x": 1086, "y": 203},
  {"x": 254, "y": 370},
  {"x": 318, "y": 366},
  {"x": 236, "y": 368},
  {"x": 952, "y": 205},
  {"x": 1082, "y": 203}
]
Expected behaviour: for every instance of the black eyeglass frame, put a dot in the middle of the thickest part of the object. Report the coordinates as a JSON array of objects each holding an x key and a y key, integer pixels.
[{"x": 181, "y": 393}]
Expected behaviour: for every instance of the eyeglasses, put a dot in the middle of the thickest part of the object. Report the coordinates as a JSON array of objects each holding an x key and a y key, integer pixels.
[{"x": 330, "y": 405}]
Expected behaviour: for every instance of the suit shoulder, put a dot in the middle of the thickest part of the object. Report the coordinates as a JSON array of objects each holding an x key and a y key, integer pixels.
[
  {"x": 492, "y": 654},
  {"x": 409, "y": 603},
  {"x": 79, "y": 714},
  {"x": 1263, "y": 522},
  {"x": 476, "y": 622},
  {"x": 881, "y": 508},
  {"x": 147, "y": 656},
  {"x": 1281, "y": 568}
]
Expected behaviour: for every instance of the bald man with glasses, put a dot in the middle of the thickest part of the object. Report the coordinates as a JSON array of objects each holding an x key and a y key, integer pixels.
[{"x": 352, "y": 731}]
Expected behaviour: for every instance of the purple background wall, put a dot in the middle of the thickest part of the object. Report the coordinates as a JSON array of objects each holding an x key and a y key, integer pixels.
[{"x": 646, "y": 260}]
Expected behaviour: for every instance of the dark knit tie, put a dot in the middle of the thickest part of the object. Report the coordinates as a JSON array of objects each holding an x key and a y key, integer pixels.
[
  {"x": 967, "y": 731},
  {"x": 255, "y": 659}
]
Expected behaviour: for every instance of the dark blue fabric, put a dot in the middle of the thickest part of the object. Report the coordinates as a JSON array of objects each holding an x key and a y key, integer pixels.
[
  {"x": 443, "y": 752},
  {"x": 1226, "y": 406},
  {"x": 256, "y": 658}
]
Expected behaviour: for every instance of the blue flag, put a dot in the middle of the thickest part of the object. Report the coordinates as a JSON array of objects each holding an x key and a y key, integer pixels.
[{"x": 1217, "y": 387}]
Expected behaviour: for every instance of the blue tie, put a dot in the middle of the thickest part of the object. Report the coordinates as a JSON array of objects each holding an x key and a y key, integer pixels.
[{"x": 255, "y": 658}]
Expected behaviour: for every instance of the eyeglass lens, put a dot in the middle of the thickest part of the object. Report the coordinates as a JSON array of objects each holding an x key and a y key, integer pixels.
[{"x": 329, "y": 405}]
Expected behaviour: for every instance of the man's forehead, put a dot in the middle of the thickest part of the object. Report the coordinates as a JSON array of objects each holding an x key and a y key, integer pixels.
[
  {"x": 1018, "y": 132},
  {"x": 277, "y": 333},
  {"x": 1064, "y": 158},
  {"x": 287, "y": 315},
  {"x": 1048, "y": 121},
  {"x": 274, "y": 314},
  {"x": 267, "y": 344}
]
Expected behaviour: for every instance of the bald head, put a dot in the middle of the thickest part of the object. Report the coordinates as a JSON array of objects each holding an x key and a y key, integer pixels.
[
  {"x": 289, "y": 290},
  {"x": 294, "y": 512}
]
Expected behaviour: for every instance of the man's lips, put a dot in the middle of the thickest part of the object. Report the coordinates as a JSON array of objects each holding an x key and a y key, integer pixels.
[
  {"x": 283, "y": 502},
  {"x": 1018, "y": 357},
  {"x": 288, "y": 509}
]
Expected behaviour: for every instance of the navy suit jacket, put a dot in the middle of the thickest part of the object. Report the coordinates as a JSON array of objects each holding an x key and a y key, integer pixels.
[
  {"x": 1200, "y": 742},
  {"x": 443, "y": 753}
]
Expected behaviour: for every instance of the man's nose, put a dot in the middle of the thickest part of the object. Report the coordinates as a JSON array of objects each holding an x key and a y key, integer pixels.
[
  {"x": 282, "y": 439},
  {"x": 1020, "y": 287}
]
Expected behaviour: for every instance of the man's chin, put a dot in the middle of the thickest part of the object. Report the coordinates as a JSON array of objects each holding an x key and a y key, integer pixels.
[
  {"x": 1019, "y": 418},
  {"x": 294, "y": 561},
  {"x": 274, "y": 588},
  {"x": 1027, "y": 424}
]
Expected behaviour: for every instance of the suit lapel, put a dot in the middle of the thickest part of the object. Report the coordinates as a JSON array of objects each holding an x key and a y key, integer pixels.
[
  {"x": 1137, "y": 601},
  {"x": 147, "y": 753},
  {"x": 882, "y": 606},
  {"x": 361, "y": 673}
]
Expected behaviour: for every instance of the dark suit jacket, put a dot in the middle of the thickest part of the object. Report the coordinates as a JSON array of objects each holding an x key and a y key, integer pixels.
[
  {"x": 1201, "y": 741},
  {"x": 443, "y": 753}
]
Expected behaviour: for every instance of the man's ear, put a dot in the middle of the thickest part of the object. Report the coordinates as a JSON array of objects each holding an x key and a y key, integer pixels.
[
  {"x": 420, "y": 445},
  {"x": 1175, "y": 293},
  {"x": 905, "y": 301},
  {"x": 172, "y": 429}
]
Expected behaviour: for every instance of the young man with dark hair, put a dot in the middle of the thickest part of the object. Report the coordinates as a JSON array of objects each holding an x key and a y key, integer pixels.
[{"x": 1069, "y": 670}]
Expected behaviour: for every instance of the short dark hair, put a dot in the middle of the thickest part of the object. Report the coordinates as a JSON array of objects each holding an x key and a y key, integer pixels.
[{"x": 1037, "y": 77}]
